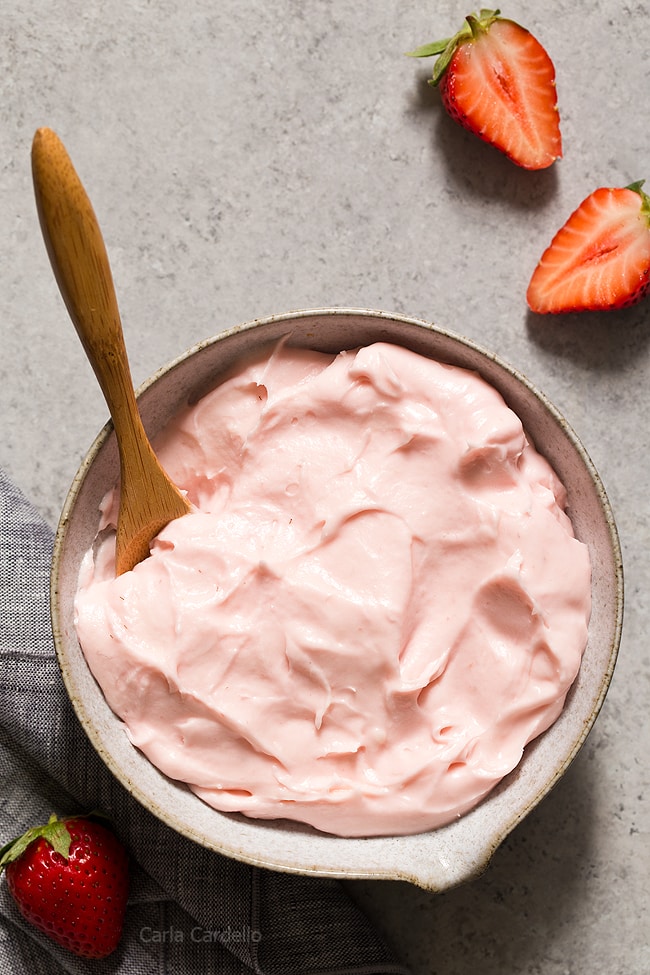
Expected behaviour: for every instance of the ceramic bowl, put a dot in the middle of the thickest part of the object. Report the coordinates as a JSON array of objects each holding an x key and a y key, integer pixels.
[{"x": 434, "y": 860}]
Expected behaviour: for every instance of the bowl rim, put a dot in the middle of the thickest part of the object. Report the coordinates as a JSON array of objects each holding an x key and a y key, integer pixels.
[{"x": 481, "y": 858}]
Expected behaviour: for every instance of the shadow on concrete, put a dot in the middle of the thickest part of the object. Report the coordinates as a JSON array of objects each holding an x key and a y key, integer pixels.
[{"x": 504, "y": 922}]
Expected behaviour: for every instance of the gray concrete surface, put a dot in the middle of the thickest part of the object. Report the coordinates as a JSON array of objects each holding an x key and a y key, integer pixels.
[{"x": 248, "y": 158}]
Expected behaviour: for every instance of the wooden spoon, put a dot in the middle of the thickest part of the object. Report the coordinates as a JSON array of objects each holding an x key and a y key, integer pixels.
[{"x": 148, "y": 499}]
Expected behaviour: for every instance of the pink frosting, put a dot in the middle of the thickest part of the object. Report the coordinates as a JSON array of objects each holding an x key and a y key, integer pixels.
[{"x": 376, "y": 603}]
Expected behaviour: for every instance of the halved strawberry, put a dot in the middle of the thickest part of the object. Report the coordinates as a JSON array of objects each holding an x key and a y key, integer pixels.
[
  {"x": 600, "y": 258},
  {"x": 497, "y": 80}
]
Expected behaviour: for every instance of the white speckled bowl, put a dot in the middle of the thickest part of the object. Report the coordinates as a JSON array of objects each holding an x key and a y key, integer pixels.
[{"x": 434, "y": 860}]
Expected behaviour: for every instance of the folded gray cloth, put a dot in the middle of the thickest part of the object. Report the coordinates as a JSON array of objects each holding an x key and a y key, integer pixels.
[{"x": 190, "y": 910}]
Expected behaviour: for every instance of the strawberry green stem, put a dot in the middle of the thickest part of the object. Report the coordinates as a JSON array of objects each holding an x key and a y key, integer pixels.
[
  {"x": 645, "y": 199},
  {"x": 55, "y": 832},
  {"x": 473, "y": 26},
  {"x": 478, "y": 26}
]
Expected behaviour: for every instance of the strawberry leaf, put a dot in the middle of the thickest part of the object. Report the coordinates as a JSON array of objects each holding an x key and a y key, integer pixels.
[
  {"x": 55, "y": 832},
  {"x": 473, "y": 25},
  {"x": 645, "y": 199},
  {"x": 436, "y": 47}
]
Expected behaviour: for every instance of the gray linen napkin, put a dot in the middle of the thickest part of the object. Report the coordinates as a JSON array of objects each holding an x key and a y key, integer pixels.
[{"x": 190, "y": 910}]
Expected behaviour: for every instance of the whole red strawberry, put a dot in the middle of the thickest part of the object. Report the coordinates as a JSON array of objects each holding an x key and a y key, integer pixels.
[
  {"x": 70, "y": 880},
  {"x": 600, "y": 259},
  {"x": 497, "y": 81}
]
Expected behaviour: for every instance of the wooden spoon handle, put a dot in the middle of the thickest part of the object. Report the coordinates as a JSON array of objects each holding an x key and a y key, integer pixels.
[
  {"x": 148, "y": 499},
  {"x": 80, "y": 263}
]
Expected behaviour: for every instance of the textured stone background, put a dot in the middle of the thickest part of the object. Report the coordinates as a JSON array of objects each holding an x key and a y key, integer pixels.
[{"x": 247, "y": 158}]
